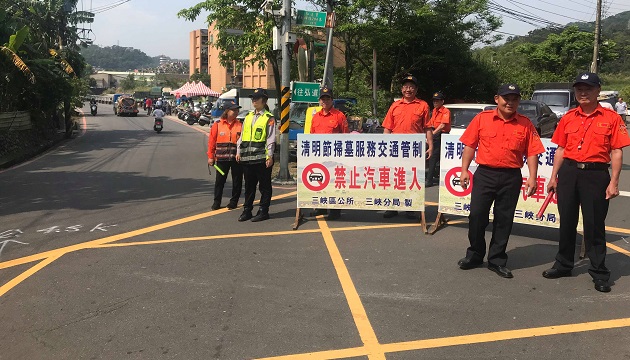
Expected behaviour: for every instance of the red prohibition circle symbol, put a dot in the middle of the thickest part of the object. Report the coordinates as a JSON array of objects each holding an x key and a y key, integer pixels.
[
  {"x": 452, "y": 179},
  {"x": 315, "y": 177}
]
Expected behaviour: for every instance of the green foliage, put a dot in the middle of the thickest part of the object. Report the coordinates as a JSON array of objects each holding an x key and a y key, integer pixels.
[
  {"x": 118, "y": 58},
  {"x": 129, "y": 83},
  {"x": 198, "y": 76}
]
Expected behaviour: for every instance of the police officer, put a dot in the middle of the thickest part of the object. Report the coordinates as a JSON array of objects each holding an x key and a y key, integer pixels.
[
  {"x": 329, "y": 121},
  {"x": 502, "y": 138},
  {"x": 588, "y": 138},
  {"x": 255, "y": 152},
  {"x": 440, "y": 123},
  {"x": 408, "y": 115},
  {"x": 222, "y": 141}
]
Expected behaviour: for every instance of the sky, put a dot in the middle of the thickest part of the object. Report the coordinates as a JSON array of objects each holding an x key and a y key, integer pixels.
[{"x": 153, "y": 27}]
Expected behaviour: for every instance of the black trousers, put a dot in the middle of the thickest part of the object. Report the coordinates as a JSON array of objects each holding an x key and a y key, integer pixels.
[
  {"x": 435, "y": 159},
  {"x": 237, "y": 180},
  {"x": 503, "y": 187},
  {"x": 585, "y": 188},
  {"x": 257, "y": 174}
]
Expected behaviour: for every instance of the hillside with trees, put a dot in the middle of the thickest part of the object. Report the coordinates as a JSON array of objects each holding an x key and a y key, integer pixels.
[{"x": 118, "y": 58}]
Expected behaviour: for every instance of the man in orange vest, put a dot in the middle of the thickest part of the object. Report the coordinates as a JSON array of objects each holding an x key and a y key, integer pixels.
[
  {"x": 222, "y": 152},
  {"x": 329, "y": 121}
]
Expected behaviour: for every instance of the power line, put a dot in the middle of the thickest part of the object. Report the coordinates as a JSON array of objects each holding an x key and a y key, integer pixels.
[
  {"x": 550, "y": 12},
  {"x": 563, "y": 7}
]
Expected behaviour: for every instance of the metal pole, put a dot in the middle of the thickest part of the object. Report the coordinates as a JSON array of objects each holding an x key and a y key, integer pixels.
[
  {"x": 374, "y": 98},
  {"x": 285, "y": 82},
  {"x": 328, "y": 65},
  {"x": 598, "y": 19}
]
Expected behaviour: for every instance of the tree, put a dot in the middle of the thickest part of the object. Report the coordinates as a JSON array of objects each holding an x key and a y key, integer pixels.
[
  {"x": 129, "y": 83},
  {"x": 198, "y": 76},
  {"x": 566, "y": 53}
]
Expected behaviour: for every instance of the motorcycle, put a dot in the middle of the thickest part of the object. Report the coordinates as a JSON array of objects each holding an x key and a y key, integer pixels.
[
  {"x": 192, "y": 115},
  {"x": 205, "y": 118},
  {"x": 93, "y": 108},
  {"x": 158, "y": 125}
]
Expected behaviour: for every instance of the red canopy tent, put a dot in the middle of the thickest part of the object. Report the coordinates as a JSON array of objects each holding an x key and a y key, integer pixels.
[
  {"x": 182, "y": 90},
  {"x": 200, "y": 89}
]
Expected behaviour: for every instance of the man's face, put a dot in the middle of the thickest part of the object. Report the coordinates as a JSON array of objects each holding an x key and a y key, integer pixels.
[
  {"x": 409, "y": 90},
  {"x": 326, "y": 102},
  {"x": 437, "y": 103},
  {"x": 507, "y": 104},
  {"x": 620, "y": 100},
  {"x": 586, "y": 94}
]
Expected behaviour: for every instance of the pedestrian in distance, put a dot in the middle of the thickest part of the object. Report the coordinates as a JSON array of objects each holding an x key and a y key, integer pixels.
[
  {"x": 589, "y": 137},
  {"x": 222, "y": 147},
  {"x": 440, "y": 123},
  {"x": 408, "y": 115},
  {"x": 502, "y": 138},
  {"x": 255, "y": 150},
  {"x": 329, "y": 121},
  {"x": 622, "y": 109}
]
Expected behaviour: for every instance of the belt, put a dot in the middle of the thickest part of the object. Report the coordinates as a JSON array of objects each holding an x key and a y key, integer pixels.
[{"x": 586, "y": 165}]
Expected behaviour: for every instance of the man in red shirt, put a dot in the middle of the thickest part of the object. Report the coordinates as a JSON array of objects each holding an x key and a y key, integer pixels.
[
  {"x": 440, "y": 123},
  {"x": 502, "y": 138},
  {"x": 408, "y": 115},
  {"x": 588, "y": 138},
  {"x": 329, "y": 121}
]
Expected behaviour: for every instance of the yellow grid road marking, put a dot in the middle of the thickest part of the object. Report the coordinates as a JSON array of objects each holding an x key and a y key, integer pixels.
[{"x": 366, "y": 332}]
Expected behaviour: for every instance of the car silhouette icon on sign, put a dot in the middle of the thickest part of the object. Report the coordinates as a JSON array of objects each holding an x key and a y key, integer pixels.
[{"x": 315, "y": 177}]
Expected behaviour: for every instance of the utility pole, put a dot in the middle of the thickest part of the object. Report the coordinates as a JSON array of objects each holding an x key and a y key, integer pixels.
[
  {"x": 374, "y": 97},
  {"x": 285, "y": 83},
  {"x": 598, "y": 20},
  {"x": 328, "y": 66}
]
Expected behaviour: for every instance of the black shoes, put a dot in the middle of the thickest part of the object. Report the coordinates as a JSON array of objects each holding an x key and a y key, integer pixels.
[
  {"x": 216, "y": 205},
  {"x": 261, "y": 215},
  {"x": 555, "y": 273},
  {"x": 232, "y": 205},
  {"x": 469, "y": 263},
  {"x": 502, "y": 271},
  {"x": 390, "y": 214},
  {"x": 602, "y": 285},
  {"x": 246, "y": 215}
]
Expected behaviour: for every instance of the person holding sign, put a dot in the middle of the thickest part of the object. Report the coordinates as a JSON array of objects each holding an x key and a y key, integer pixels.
[
  {"x": 440, "y": 123},
  {"x": 255, "y": 149},
  {"x": 222, "y": 154},
  {"x": 408, "y": 115},
  {"x": 329, "y": 121},
  {"x": 502, "y": 138},
  {"x": 588, "y": 138}
]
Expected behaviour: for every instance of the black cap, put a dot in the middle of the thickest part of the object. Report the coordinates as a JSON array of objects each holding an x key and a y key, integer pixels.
[
  {"x": 508, "y": 89},
  {"x": 409, "y": 78},
  {"x": 230, "y": 105},
  {"x": 325, "y": 91},
  {"x": 438, "y": 96},
  {"x": 588, "y": 78},
  {"x": 259, "y": 93}
]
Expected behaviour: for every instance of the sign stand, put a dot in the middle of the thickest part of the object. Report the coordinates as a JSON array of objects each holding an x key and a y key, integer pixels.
[
  {"x": 440, "y": 220},
  {"x": 298, "y": 218},
  {"x": 423, "y": 222}
]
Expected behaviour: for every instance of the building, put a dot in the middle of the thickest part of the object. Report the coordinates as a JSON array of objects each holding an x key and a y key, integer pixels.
[{"x": 205, "y": 57}]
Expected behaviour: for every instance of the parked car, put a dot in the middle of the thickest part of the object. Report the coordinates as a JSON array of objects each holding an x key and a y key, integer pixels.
[
  {"x": 544, "y": 119},
  {"x": 462, "y": 115}
]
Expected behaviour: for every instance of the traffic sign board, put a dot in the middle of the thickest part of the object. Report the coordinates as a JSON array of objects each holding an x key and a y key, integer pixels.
[
  {"x": 311, "y": 18},
  {"x": 305, "y": 92},
  {"x": 452, "y": 179},
  {"x": 315, "y": 177}
]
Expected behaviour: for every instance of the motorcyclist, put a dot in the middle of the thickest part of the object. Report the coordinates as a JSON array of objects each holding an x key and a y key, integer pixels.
[
  {"x": 158, "y": 113},
  {"x": 92, "y": 101}
]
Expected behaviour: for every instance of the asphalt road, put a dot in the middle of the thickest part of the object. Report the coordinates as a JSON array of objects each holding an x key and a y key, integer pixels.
[{"x": 110, "y": 251}]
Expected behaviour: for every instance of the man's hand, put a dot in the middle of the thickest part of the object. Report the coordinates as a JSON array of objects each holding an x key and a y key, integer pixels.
[
  {"x": 269, "y": 162},
  {"x": 238, "y": 158},
  {"x": 429, "y": 151},
  {"x": 552, "y": 185},
  {"x": 612, "y": 191},
  {"x": 211, "y": 162},
  {"x": 530, "y": 186},
  {"x": 464, "y": 179}
]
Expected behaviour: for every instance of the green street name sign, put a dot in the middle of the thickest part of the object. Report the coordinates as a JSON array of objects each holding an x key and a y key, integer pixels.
[
  {"x": 311, "y": 18},
  {"x": 305, "y": 92}
]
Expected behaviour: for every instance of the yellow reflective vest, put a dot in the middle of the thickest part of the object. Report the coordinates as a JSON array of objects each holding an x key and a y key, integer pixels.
[{"x": 254, "y": 138}]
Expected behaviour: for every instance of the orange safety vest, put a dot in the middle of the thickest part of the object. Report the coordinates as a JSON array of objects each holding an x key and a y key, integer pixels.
[{"x": 222, "y": 140}]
